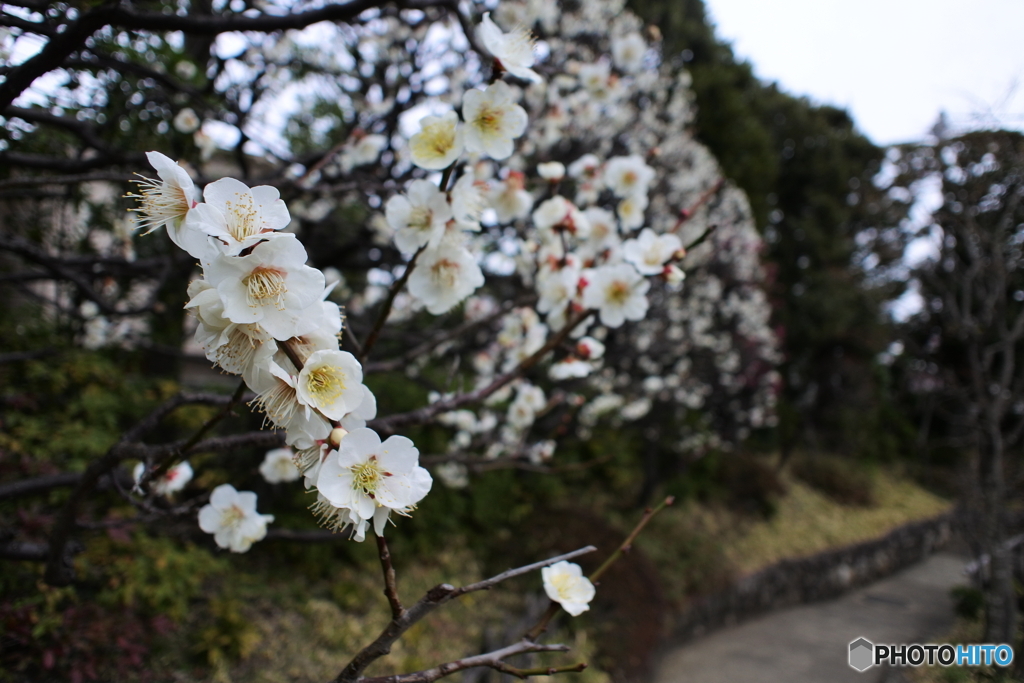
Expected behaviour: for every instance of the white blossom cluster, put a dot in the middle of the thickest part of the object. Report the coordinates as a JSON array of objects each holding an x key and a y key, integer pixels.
[
  {"x": 553, "y": 203},
  {"x": 262, "y": 314}
]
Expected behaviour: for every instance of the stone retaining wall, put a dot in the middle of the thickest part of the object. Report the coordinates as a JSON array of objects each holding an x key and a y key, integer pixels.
[{"x": 818, "y": 577}]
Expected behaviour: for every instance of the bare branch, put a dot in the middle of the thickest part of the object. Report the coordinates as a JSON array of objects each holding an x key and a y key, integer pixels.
[
  {"x": 434, "y": 598},
  {"x": 390, "y": 582},
  {"x": 492, "y": 660},
  {"x": 623, "y": 548},
  {"x": 27, "y": 487},
  {"x": 385, "y": 309},
  {"x": 437, "y": 340},
  {"x": 58, "y": 568}
]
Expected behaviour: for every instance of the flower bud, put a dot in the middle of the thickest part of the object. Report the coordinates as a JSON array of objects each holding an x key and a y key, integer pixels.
[
  {"x": 335, "y": 437},
  {"x": 674, "y": 275}
]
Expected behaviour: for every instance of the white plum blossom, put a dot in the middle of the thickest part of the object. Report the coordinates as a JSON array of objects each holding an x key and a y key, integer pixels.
[
  {"x": 234, "y": 347},
  {"x": 558, "y": 213},
  {"x": 589, "y": 348},
  {"x": 331, "y": 382},
  {"x": 529, "y": 401},
  {"x": 171, "y": 481},
  {"x": 551, "y": 170},
  {"x": 277, "y": 396},
  {"x": 232, "y": 519},
  {"x": 239, "y": 216},
  {"x": 419, "y": 216},
  {"x": 631, "y": 211},
  {"x": 509, "y": 199},
  {"x": 186, "y": 121},
  {"x": 628, "y": 176},
  {"x": 628, "y": 52},
  {"x": 600, "y": 82},
  {"x": 272, "y": 286},
  {"x": 468, "y": 202},
  {"x": 604, "y": 231},
  {"x": 278, "y": 466},
  {"x": 167, "y": 203},
  {"x": 674, "y": 275},
  {"x": 649, "y": 252},
  {"x": 565, "y": 584},
  {"x": 541, "y": 452},
  {"x": 513, "y": 51},
  {"x": 364, "y": 149},
  {"x": 439, "y": 142},
  {"x": 371, "y": 479},
  {"x": 454, "y": 475},
  {"x": 617, "y": 292},
  {"x": 557, "y": 286},
  {"x": 444, "y": 276},
  {"x": 569, "y": 368},
  {"x": 493, "y": 120}
]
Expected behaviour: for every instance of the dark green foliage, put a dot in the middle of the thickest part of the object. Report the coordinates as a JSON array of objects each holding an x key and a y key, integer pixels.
[
  {"x": 744, "y": 482},
  {"x": 968, "y": 601},
  {"x": 839, "y": 479}
]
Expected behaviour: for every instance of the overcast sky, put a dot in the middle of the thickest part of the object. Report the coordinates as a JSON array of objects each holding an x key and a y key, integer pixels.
[{"x": 894, "y": 64}]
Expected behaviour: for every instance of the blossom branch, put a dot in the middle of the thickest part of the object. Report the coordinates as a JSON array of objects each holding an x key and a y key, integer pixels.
[
  {"x": 434, "y": 598},
  {"x": 623, "y": 548},
  {"x": 385, "y": 310},
  {"x": 687, "y": 213},
  {"x": 626, "y": 545},
  {"x": 427, "y": 413},
  {"x": 75, "y": 35}
]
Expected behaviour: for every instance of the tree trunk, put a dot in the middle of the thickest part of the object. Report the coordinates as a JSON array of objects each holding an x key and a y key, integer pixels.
[{"x": 1000, "y": 597}]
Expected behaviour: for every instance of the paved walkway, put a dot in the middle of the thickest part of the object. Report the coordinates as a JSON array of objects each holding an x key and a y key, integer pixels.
[{"x": 808, "y": 644}]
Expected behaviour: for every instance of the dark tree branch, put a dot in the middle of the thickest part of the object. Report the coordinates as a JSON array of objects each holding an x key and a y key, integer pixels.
[
  {"x": 435, "y": 597},
  {"x": 58, "y": 569},
  {"x": 26, "y": 487},
  {"x": 493, "y": 660},
  {"x": 390, "y": 581},
  {"x": 385, "y": 309}
]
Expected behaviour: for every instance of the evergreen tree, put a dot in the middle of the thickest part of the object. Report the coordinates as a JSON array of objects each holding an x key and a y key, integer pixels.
[{"x": 808, "y": 174}]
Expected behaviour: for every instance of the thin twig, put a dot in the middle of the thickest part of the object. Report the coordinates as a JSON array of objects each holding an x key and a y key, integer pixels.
[
  {"x": 554, "y": 607},
  {"x": 390, "y": 581},
  {"x": 164, "y": 463},
  {"x": 492, "y": 660},
  {"x": 434, "y": 598},
  {"x": 385, "y": 310}
]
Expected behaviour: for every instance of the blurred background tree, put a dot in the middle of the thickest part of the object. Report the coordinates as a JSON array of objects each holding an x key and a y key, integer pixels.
[{"x": 809, "y": 175}]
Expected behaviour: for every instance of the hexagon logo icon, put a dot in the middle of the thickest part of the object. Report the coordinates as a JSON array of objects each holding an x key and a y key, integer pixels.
[{"x": 862, "y": 653}]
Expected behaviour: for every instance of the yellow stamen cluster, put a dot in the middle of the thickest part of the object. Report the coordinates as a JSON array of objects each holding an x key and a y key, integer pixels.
[
  {"x": 161, "y": 203},
  {"x": 278, "y": 404},
  {"x": 437, "y": 138},
  {"x": 242, "y": 217},
  {"x": 420, "y": 218},
  {"x": 489, "y": 119},
  {"x": 325, "y": 384},
  {"x": 618, "y": 292},
  {"x": 265, "y": 283},
  {"x": 367, "y": 476},
  {"x": 445, "y": 272}
]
